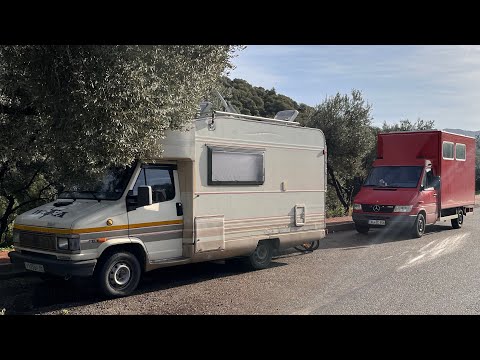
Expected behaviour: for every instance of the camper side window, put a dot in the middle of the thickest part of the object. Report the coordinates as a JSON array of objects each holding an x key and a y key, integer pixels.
[
  {"x": 161, "y": 181},
  {"x": 234, "y": 166}
]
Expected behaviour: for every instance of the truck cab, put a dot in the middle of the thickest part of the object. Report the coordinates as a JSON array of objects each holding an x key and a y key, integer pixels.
[{"x": 401, "y": 195}]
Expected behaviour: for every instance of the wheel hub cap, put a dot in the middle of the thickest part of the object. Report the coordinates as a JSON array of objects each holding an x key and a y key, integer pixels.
[{"x": 120, "y": 274}]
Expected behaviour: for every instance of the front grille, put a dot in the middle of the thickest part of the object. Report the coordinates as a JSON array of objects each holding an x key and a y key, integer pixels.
[
  {"x": 37, "y": 240},
  {"x": 382, "y": 208}
]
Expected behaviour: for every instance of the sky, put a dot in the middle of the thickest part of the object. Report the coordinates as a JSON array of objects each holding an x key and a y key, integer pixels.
[{"x": 431, "y": 82}]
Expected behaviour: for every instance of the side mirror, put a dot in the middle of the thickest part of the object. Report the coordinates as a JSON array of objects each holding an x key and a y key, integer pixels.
[
  {"x": 131, "y": 201},
  {"x": 144, "y": 196}
]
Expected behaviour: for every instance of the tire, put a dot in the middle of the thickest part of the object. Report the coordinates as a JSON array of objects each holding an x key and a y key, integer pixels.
[
  {"x": 261, "y": 257},
  {"x": 362, "y": 229},
  {"x": 419, "y": 226},
  {"x": 119, "y": 274},
  {"x": 308, "y": 246},
  {"x": 457, "y": 223}
]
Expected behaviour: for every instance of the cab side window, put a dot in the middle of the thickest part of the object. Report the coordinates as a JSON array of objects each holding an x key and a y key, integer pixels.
[
  {"x": 428, "y": 179},
  {"x": 161, "y": 181}
]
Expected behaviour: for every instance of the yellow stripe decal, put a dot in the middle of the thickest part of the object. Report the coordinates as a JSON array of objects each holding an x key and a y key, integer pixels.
[{"x": 97, "y": 229}]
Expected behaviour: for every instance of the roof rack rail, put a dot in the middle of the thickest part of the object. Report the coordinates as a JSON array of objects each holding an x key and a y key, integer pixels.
[{"x": 256, "y": 117}]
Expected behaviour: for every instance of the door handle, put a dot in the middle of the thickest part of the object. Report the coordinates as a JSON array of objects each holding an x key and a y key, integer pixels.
[
  {"x": 435, "y": 195},
  {"x": 179, "y": 209}
]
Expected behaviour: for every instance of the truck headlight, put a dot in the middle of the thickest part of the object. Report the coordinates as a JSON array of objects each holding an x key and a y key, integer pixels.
[
  {"x": 357, "y": 206},
  {"x": 74, "y": 244},
  {"x": 401, "y": 208},
  {"x": 62, "y": 243}
]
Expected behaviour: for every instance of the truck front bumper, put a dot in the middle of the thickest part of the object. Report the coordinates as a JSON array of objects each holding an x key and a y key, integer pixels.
[
  {"x": 53, "y": 266},
  {"x": 370, "y": 219}
]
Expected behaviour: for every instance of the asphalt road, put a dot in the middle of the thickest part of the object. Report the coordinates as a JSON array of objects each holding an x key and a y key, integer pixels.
[{"x": 381, "y": 273}]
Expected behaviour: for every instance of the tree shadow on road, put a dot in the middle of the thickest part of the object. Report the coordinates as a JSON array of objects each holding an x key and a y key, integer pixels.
[{"x": 53, "y": 295}]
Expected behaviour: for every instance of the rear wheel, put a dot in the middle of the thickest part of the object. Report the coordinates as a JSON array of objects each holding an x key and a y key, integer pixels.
[
  {"x": 308, "y": 246},
  {"x": 419, "y": 226},
  {"x": 119, "y": 274},
  {"x": 362, "y": 229},
  {"x": 458, "y": 222},
  {"x": 262, "y": 256}
]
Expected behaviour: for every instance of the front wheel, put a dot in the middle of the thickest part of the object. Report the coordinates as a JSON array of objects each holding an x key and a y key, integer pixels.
[
  {"x": 458, "y": 222},
  {"x": 119, "y": 274},
  {"x": 362, "y": 229},
  {"x": 419, "y": 226},
  {"x": 262, "y": 256}
]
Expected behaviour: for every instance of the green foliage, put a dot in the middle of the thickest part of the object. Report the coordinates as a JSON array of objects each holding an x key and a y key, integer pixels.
[
  {"x": 334, "y": 207},
  {"x": 346, "y": 122},
  {"x": 406, "y": 125},
  {"x": 257, "y": 101},
  {"x": 68, "y": 112}
]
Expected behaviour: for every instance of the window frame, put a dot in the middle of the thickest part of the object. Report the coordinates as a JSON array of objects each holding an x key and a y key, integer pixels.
[
  {"x": 168, "y": 167},
  {"x": 212, "y": 149},
  {"x": 453, "y": 150},
  {"x": 465, "y": 147}
]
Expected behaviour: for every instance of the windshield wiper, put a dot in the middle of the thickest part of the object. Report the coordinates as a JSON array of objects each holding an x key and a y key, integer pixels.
[
  {"x": 92, "y": 193},
  {"x": 68, "y": 192}
]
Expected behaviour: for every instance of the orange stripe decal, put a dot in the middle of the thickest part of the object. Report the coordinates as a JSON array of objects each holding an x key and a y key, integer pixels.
[{"x": 97, "y": 229}]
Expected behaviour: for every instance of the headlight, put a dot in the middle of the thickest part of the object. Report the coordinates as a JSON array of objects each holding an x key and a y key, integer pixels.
[
  {"x": 357, "y": 206},
  {"x": 407, "y": 208},
  {"x": 74, "y": 244},
  {"x": 62, "y": 243}
]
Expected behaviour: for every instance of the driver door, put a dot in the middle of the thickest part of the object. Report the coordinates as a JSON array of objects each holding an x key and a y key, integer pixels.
[
  {"x": 430, "y": 197},
  {"x": 159, "y": 225}
]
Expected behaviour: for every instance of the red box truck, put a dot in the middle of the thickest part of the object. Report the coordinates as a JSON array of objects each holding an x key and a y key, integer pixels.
[{"x": 418, "y": 178}]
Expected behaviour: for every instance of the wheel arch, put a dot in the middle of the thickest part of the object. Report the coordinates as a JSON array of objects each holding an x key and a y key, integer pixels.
[{"x": 134, "y": 246}]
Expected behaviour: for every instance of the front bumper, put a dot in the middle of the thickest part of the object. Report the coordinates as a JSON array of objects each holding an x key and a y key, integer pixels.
[
  {"x": 53, "y": 266},
  {"x": 362, "y": 219}
]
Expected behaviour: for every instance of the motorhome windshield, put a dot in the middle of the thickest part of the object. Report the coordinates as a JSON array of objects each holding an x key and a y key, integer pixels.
[
  {"x": 394, "y": 176},
  {"x": 107, "y": 186}
]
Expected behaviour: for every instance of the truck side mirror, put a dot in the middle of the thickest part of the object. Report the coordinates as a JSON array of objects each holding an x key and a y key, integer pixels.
[
  {"x": 144, "y": 196},
  {"x": 131, "y": 201}
]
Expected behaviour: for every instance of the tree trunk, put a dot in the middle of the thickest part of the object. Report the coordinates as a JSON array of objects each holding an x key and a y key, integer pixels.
[
  {"x": 4, "y": 219},
  {"x": 338, "y": 189}
]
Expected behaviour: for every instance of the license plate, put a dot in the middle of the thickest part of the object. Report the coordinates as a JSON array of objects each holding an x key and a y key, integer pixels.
[
  {"x": 376, "y": 222},
  {"x": 34, "y": 267}
]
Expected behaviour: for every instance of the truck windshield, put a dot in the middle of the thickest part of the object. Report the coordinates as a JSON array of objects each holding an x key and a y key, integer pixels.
[
  {"x": 394, "y": 176},
  {"x": 109, "y": 185}
]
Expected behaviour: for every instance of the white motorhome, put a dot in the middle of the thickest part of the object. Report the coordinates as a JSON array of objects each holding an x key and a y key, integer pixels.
[{"x": 232, "y": 185}]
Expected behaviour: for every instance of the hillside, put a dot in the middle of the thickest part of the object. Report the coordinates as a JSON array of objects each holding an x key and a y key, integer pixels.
[{"x": 463, "y": 132}]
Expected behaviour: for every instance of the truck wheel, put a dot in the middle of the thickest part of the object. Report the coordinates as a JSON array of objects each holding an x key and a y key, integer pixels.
[
  {"x": 262, "y": 256},
  {"x": 119, "y": 274},
  {"x": 362, "y": 229},
  {"x": 457, "y": 223},
  {"x": 419, "y": 227}
]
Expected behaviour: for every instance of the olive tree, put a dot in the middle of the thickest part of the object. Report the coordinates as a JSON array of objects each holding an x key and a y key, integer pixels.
[
  {"x": 346, "y": 122},
  {"x": 68, "y": 112}
]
